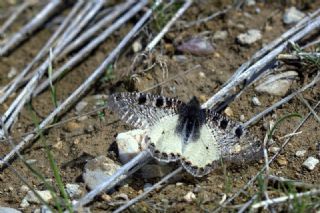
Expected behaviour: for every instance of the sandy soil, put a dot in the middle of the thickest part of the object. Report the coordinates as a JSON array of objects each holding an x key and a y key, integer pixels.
[{"x": 94, "y": 136}]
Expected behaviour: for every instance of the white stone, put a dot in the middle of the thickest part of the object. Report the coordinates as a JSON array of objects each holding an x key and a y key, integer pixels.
[
  {"x": 278, "y": 84},
  {"x": 300, "y": 153},
  {"x": 98, "y": 170},
  {"x": 220, "y": 35},
  {"x": 292, "y": 16},
  {"x": 73, "y": 190},
  {"x": 45, "y": 195},
  {"x": 81, "y": 106},
  {"x": 12, "y": 72},
  {"x": 129, "y": 144},
  {"x": 24, "y": 203},
  {"x": 310, "y": 163},
  {"x": 8, "y": 210},
  {"x": 136, "y": 46},
  {"x": 250, "y": 2},
  {"x": 273, "y": 149},
  {"x": 256, "y": 101},
  {"x": 250, "y": 37},
  {"x": 189, "y": 197}
]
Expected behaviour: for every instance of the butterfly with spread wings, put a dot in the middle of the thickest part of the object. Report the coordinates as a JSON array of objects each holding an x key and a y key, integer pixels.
[{"x": 177, "y": 131}]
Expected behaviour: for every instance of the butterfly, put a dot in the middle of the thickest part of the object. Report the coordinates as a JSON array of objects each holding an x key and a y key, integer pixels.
[{"x": 177, "y": 131}]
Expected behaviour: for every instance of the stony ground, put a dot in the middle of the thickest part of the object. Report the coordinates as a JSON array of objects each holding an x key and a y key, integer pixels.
[{"x": 74, "y": 142}]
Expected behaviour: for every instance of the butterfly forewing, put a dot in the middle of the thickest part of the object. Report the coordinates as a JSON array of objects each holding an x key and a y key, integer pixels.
[{"x": 142, "y": 110}]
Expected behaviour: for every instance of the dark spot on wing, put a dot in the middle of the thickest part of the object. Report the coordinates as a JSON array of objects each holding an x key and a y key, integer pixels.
[
  {"x": 159, "y": 102},
  {"x": 239, "y": 131},
  {"x": 224, "y": 123},
  {"x": 162, "y": 132},
  {"x": 207, "y": 148},
  {"x": 142, "y": 99},
  {"x": 168, "y": 103}
]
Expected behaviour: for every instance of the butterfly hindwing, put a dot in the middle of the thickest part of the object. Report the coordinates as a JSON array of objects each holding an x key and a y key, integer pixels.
[
  {"x": 201, "y": 155},
  {"x": 164, "y": 144}
]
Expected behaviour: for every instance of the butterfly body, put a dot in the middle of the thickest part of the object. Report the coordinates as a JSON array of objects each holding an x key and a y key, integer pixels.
[{"x": 185, "y": 132}]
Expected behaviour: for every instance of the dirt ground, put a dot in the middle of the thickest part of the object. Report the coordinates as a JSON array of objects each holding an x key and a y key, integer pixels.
[{"x": 94, "y": 135}]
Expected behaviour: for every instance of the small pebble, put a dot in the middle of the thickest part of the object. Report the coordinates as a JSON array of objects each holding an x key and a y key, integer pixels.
[
  {"x": 250, "y": 2},
  {"x": 300, "y": 153},
  {"x": 180, "y": 58},
  {"x": 242, "y": 118},
  {"x": 136, "y": 46},
  {"x": 24, "y": 203},
  {"x": 31, "y": 161},
  {"x": 179, "y": 184},
  {"x": 256, "y": 101},
  {"x": 310, "y": 163},
  {"x": 273, "y": 149},
  {"x": 72, "y": 126},
  {"x": 250, "y": 37},
  {"x": 278, "y": 84},
  {"x": 81, "y": 106},
  {"x": 189, "y": 197},
  {"x": 147, "y": 186},
  {"x": 228, "y": 111},
  {"x": 73, "y": 190},
  {"x": 282, "y": 161},
  {"x": 196, "y": 46},
  {"x": 24, "y": 189},
  {"x": 292, "y": 16},
  {"x": 106, "y": 197},
  {"x": 12, "y": 72},
  {"x": 98, "y": 170},
  {"x": 220, "y": 35}
]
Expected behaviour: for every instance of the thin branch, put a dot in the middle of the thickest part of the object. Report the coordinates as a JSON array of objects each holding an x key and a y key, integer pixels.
[
  {"x": 166, "y": 28},
  {"x": 283, "y": 199},
  {"x": 12, "y": 87},
  {"x": 309, "y": 107},
  {"x": 240, "y": 78},
  {"x": 51, "y": 8},
  {"x": 15, "y": 15},
  {"x": 295, "y": 183},
  {"x": 145, "y": 193},
  {"x": 251, "y": 181},
  {"x": 257, "y": 117},
  {"x": 85, "y": 51},
  {"x": 121, "y": 174}
]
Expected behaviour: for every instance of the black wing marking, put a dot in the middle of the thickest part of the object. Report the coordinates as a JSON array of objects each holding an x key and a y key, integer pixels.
[
  {"x": 143, "y": 110},
  {"x": 235, "y": 143}
]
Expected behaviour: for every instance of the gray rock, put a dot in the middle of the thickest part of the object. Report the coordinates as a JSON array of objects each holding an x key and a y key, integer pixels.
[
  {"x": 130, "y": 144},
  {"x": 220, "y": 35},
  {"x": 73, "y": 190},
  {"x": 310, "y": 163},
  {"x": 250, "y": 37},
  {"x": 256, "y": 101},
  {"x": 278, "y": 84},
  {"x": 98, "y": 170},
  {"x": 8, "y": 210},
  {"x": 196, "y": 46},
  {"x": 292, "y": 16},
  {"x": 300, "y": 153}
]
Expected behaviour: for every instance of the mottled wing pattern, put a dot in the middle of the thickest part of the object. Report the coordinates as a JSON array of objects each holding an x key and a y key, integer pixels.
[
  {"x": 235, "y": 143},
  {"x": 143, "y": 110}
]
